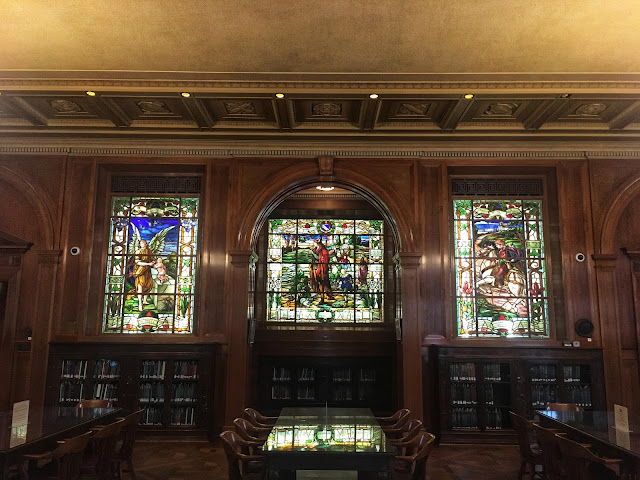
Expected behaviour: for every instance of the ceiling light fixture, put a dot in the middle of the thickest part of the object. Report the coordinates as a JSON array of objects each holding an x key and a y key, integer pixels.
[
  {"x": 469, "y": 96},
  {"x": 91, "y": 93},
  {"x": 324, "y": 189},
  {"x": 279, "y": 95},
  {"x": 185, "y": 94},
  {"x": 373, "y": 96}
]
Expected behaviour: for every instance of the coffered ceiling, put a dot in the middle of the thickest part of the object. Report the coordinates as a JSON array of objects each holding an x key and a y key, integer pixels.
[{"x": 552, "y": 69}]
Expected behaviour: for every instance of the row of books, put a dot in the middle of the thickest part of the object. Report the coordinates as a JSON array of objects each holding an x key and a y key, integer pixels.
[
  {"x": 153, "y": 369},
  {"x": 108, "y": 391},
  {"x": 106, "y": 369},
  {"x": 341, "y": 374},
  {"x": 495, "y": 419},
  {"x": 462, "y": 372},
  {"x": 541, "y": 395},
  {"x": 183, "y": 416},
  {"x": 185, "y": 392},
  {"x": 573, "y": 373},
  {"x": 281, "y": 392},
  {"x": 71, "y": 391},
  {"x": 493, "y": 372},
  {"x": 464, "y": 418},
  {"x": 151, "y": 416},
  {"x": 74, "y": 369},
  {"x": 151, "y": 392},
  {"x": 281, "y": 374},
  {"x": 185, "y": 369},
  {"x": 463, "y": 394},
  {"x": 543, "y": 373}
]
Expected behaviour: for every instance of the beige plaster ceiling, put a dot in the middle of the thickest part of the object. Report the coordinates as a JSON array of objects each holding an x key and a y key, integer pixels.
[{"x": 343, "y": 36}]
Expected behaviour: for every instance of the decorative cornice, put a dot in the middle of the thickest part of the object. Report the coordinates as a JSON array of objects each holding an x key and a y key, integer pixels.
[
  {"x": 215, "y": 82},
  {"x": 371, "y": 150}
]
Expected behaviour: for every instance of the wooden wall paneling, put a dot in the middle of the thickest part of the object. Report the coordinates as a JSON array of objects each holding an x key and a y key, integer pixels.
[
  {"x": 411, "y": 334},
  {"x": 635, "y": 284},
  {"x": 237, "y": 366},
  {"x": 43, "y": 298},
  {"x": 576, "y": 237},
  {"x": 610, "y": 336},
  {"x": 77, "y": 231},
  {"x": 214, "y": 234}
]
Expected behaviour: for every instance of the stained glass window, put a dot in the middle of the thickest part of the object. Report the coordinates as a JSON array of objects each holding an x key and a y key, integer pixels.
[
  {"x": 151, "y": 265},
  {"x": 500, "y": 268},
  {"x": 325, "y": 271}
]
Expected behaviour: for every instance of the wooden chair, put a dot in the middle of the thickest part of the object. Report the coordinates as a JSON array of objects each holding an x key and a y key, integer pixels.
[
  {"x": 388, "y": 421},
  {"x": 564, "y": 407},
  {"x": 242, "y": 464},
  {"x": 583, "y": 464},
  {"x": 104, "y": 462},
  {"x": 530, "y": 452},
  {"x": 95, "y": 403},
  {"x": 408, "y": 432},
  {"x": 413, "y": 464},
  {"x": 63, "y": 463},
  {"x": 249, "y": 433},
  {"x": 258, "y": 419},
  {"x": 128, "y": 435},
  {"x": 554, "y": 469},
  {"x": 393, "y": 424}
]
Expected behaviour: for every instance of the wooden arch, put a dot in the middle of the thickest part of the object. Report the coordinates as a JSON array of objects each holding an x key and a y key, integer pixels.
[
  {"x": 294, "y": 179},
  {"x": 627, "y": 193}
]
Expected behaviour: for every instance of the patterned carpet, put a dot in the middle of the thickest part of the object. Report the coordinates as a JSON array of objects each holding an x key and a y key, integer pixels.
[{"x": 158, "y": 460}]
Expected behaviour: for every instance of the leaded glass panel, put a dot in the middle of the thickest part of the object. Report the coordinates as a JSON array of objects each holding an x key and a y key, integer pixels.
[
  {"x": 500, "y": 268},
  {"x": 325, "y": 271},
  {"x": 151, "y": 265}
]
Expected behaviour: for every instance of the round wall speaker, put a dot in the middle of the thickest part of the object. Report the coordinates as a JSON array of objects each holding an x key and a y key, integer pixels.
[{"x": 584, "y": 327}]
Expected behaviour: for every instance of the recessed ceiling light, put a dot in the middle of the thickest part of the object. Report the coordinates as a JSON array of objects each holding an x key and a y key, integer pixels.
[
  {"x": 468, "y": 96},
  {"x": 373, "y": 95},
  {"x": 185, "y": 94},
  {"x": 279, "y": 95},
  {"x": 91, "y": 93},
  {"x": 325, "y": 189}
]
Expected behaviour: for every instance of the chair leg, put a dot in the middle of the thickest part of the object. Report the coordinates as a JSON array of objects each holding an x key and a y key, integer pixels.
[{"x": 523, "y": 467}]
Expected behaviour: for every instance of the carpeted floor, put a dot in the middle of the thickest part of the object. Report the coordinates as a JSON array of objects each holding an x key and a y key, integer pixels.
[{"x": 159, "y": 460}]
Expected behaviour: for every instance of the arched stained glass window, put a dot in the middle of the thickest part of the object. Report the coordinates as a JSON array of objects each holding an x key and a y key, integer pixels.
[
  {"x": 325, "y": 271},
  {"x": 500, "y": 268},
  {"x": 151, "y": 265}
]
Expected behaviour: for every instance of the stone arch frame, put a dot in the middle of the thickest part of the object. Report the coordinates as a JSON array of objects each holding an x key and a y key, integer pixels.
[{"x": 260, "y": 206}]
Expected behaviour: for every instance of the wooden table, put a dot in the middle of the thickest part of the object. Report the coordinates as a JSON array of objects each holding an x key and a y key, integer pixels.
[
  {"x": 598, "y": 429},
  {"x": 46, "y": 426},
  {"x": 327, "y": 439}
]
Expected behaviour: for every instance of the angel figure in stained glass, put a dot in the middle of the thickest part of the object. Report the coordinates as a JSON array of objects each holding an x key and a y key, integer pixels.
[{"x": 143, "y": 260}]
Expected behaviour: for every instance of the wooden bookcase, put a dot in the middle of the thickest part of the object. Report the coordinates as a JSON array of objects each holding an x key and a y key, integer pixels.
[
  {"x": 316, "y": 381},
  {"x": 479, "y": 386},
  {"x": 171, "y": 382}
]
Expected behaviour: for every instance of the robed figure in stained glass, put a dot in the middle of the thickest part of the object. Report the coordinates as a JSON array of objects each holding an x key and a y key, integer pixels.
[
  {"x": 146, "y": 257},
  {"x": 319, "y": 278}
]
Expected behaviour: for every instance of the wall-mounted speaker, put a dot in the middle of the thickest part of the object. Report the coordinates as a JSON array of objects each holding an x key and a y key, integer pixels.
[{"x": 584, "y": 327}]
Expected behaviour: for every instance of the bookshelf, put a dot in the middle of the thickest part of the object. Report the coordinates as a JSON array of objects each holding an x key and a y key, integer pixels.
[
  {"x": 171, "y": 382},
  {"x": 479, "y": 386},
  {"x": 314, "y": 381}
]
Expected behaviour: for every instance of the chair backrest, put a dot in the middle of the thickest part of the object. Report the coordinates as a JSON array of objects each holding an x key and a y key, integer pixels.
[
  {"x": 579, "y": 461},
  {"x": 235, "y": 450},
  {"x": 68, "y": 456},
  {"x": 104, "y": 444},
  {"x": 413, "y": 463},
  {"x": 402, "y": 417},
  {"x": 95, "y": 403},
  {"x": 551, "y": 455},
  {"x": 525, "y": 434},
  {"x": 247, "y": 431},
  {"x": 564, "y": 407},
  {"x": 129, "y": 431},
  {"x": 409, "y": 431},
  {"x": 258, "y": 419}
]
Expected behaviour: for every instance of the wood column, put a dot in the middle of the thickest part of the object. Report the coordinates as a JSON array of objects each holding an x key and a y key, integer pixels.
[
  {"x": 41, "y": 324},
  {"x": 635, "y": 272},
  {"x": 605, "y": 265},
  {"x": 237, "y": 329},
  {"x": 411, "y": 334}
]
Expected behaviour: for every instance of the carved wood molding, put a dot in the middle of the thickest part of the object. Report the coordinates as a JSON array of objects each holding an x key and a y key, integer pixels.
[
  {"x": 605, "y": 261},
  {"x": 301, "y": 150}
]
